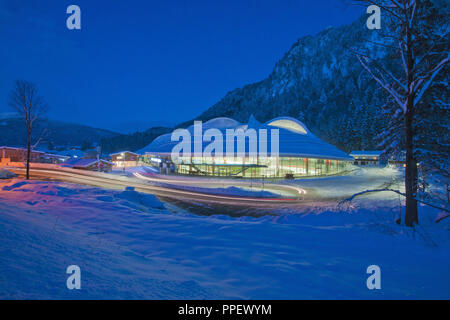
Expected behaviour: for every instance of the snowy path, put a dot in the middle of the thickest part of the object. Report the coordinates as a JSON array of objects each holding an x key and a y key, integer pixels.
[{"x": 128, "y": 246}]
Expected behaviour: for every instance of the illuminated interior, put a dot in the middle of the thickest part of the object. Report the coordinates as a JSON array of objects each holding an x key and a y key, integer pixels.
[{"x": 255, "y": 167}]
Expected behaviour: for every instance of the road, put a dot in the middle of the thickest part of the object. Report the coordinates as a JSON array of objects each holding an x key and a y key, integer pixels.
[{"x": 140, "y": 184}]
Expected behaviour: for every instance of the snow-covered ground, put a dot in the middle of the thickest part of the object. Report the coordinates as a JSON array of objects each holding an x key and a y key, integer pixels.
[
  {"x": 360, "y": 179},
  {"x": 131, "y": 245},
  {"x": 317, "y": 188}
]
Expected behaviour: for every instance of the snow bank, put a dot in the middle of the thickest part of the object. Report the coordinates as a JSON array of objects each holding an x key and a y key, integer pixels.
[
  {"x": 5, "y": 174},
  {"x": 142, "y": 199}
]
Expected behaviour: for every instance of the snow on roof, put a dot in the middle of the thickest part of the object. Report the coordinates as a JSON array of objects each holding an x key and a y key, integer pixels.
[
  {"x": 13, "y": 148},
  {"x": 113, "y": 154},
  {"x": 373, "y": 153},
  {"x": 18, "y": 148},
  {"x": 83, "y": 162},
  {"x": 288, "y": 123},
  {"x": 55, "y": 155},
  {"x": 72, "y": 153},
  {"x": 294, "y": 139},
  {"x": 220, "y": 123}
]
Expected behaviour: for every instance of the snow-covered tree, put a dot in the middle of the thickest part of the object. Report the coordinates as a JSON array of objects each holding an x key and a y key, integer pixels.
[{"x": 416, "y": 35}]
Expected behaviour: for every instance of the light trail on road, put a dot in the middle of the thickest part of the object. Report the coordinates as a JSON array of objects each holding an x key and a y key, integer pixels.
[
  {"x": 298, "y": 191},
  {"x": 111, "y": 181}
]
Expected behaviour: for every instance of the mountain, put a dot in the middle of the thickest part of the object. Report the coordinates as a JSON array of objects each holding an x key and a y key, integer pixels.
[
  {"x": 138, "y": 125},
  {"x": 51, "y": 132},
  {"x": 320, "y": 82},
  {"x": 64, "y": 134},
  {"x": 132, "y": 142}
]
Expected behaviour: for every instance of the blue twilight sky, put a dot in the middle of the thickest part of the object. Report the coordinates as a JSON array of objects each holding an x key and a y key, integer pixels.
[{"x": 135, "y": 64}]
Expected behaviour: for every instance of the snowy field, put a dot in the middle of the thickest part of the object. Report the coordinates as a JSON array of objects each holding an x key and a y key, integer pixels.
[{"x": 132, "y": 246}]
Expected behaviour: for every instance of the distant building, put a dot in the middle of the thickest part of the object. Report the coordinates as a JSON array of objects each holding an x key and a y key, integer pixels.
[
  {"x": 11, "y": 154},
  {"x": 89, "y": 164},
  {"x": 53, "y": 158},
  {"x": 366, "y": 158},
  {"x": 398, "y": 160},
  {"x": 91, "y": 153},
  {"x": 125, "y": 159},
  {"x": 72, "y": 153}
]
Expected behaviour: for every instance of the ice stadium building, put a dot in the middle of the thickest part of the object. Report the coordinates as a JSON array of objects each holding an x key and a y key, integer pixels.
[{"x": 300, "y": 153}]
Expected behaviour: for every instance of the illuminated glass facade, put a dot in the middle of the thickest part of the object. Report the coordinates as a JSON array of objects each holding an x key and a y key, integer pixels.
[{"x": 271, "y": 167}]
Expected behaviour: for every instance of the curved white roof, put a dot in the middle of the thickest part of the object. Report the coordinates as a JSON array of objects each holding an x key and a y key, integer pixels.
[
  {"x": 288, "y": 123},
  {"x": 221, "y": 123},
  {"x": 295, "y": 140}
]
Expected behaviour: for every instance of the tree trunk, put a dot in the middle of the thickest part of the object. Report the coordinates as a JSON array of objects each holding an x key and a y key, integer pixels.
[
  {"x": 28, "y": 152},
  {"x": 411, "y": 216}
]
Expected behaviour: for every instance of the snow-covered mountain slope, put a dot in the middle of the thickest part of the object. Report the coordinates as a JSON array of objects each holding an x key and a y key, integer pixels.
[{"x": 320, "y": 82}]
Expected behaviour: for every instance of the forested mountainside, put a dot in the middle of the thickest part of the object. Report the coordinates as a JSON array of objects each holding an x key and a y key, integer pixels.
[
  {"x": 50, "y": 133},
  {"x": 321, "y": 82},
  {"x": 132, "y": 142}
]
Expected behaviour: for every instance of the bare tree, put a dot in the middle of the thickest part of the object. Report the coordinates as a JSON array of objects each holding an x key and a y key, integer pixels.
[
  {"x": 26, "y": 102},
  {"x": 418, "y": 44}
]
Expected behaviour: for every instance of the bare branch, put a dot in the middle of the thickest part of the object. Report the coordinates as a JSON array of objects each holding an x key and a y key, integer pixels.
[
  {"x": 390, "y": 190},
  {"x": 25, "y": 101},
  {"x": 427, "y": 80},
  {"x": 394, "y": 94}
]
